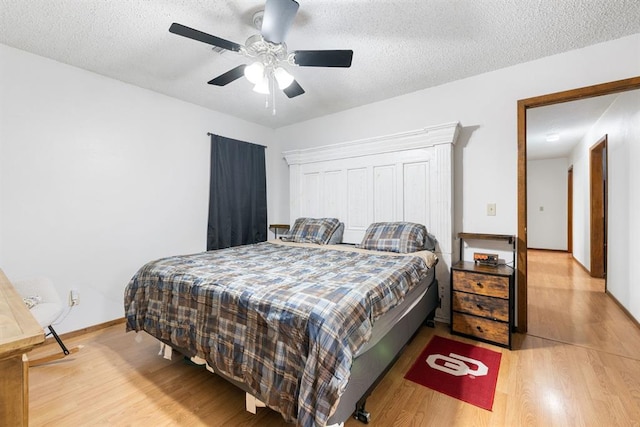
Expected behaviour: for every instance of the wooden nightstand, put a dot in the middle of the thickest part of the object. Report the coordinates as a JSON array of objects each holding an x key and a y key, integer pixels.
[{"x": 482, "y": 299}]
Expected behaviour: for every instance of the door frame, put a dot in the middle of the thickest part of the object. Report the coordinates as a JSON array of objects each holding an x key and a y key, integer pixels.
[
  {"x": 570, "y": 210},
  {"x": 522, "y": 107},
  {"x": 598, "y": 208}
]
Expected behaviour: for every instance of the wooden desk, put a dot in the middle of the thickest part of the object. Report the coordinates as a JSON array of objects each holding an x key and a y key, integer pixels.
[{"x": 19, "y": 333}]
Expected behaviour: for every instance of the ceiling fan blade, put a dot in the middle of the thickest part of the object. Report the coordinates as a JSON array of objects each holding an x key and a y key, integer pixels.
[
  {"x": 181, "y": 30},
  {"x": 293, "y": 90},
  {"x": 228, "y": 77},
  {"x": 277, "y": 19},
  {"x": 323, "y": 58}
]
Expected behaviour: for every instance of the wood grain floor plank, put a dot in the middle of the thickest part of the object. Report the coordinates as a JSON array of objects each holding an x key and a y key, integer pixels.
[{"x": 580, "y": 366}]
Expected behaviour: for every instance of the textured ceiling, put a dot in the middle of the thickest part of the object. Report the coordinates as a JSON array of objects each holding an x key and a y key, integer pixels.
[{"x": 399, "y": 46}]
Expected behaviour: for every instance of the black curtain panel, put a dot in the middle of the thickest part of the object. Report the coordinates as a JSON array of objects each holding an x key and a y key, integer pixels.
[{"x": 237, "y": 194}]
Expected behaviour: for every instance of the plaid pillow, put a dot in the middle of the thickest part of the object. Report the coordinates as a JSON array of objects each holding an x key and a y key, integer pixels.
[
  {"x": 402, "y": 237},
  {"x": 312, "y": 230}
]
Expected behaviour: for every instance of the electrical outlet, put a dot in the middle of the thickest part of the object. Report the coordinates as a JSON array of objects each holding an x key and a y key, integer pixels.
[
  {"x": 491, "y": 209},
  {"x": 74, "y": 297}
]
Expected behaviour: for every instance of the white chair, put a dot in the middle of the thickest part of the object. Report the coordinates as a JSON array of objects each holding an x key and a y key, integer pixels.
[{"x": 47, "y": 309}]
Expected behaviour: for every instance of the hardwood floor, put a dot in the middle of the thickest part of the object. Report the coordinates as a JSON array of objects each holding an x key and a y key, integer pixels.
[
  {"x": 562, "y": 374},
  {"x": 567, "y": 305}
]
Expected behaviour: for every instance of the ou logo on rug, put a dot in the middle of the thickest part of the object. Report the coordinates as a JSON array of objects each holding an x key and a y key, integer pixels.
[{"x": 457, "y": 365}]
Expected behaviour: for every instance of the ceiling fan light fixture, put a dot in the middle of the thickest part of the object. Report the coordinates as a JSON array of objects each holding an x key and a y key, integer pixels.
[
  {"x": 255, "y": 72},
  {"x": 552, "y": 137},
  {"x": 262, "y": 86},
  {"x": 283, "y": 78}
]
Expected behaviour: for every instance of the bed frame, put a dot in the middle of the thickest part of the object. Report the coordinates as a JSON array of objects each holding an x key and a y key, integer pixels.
[{"x": 400, "y": 177}]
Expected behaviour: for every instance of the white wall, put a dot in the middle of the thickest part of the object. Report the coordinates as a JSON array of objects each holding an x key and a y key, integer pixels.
[
  {"x": 486, "y": 106},
  {"x": 547, "y": 204},
  {"x": 97, "y": 177},
  {"x": 86, "y": 162},
  {"x": 621, "y": 124}
]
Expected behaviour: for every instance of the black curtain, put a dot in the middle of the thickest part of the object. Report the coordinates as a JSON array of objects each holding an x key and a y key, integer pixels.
[{"x": 237, "y": 194}]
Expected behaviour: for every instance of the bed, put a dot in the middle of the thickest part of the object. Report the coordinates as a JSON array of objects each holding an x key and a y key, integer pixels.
[{"x": 308, "y": 328}]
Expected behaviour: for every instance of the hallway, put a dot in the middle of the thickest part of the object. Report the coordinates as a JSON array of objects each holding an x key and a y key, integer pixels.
[{"x": 567, "y": 305}]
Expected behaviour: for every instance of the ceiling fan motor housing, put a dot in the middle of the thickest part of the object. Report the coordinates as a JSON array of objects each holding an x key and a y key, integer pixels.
[{"x": 269, "y": 53}]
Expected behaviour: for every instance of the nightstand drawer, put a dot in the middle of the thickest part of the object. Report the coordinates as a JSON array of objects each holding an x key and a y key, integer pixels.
[
  {"x": 485, "y": 329},
  {"x": 494, "y": 308},
  {"x": 481, "y": 284}
]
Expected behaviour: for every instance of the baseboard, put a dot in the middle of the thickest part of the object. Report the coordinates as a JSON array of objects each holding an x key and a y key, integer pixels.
[
  {"x": 582, "y": 266},
  {"x": 624, "y": 309},
  {"x": 86, "y": 330}
]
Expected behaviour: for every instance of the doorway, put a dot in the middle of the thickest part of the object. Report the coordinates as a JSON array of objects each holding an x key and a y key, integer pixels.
[
  {"x": 598, "y": 207},
  {"x": 522, "y": 107}
]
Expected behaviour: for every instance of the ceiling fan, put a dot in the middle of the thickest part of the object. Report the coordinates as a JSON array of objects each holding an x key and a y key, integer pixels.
[{"x": 269, "y": 51}]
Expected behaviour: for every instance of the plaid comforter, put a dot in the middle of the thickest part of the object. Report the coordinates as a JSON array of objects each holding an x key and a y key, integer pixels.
[{"x": 284, "y": 319}]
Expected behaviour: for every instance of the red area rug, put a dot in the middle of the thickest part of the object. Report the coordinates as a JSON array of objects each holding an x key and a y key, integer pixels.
[{"x": 460, "y": 370}]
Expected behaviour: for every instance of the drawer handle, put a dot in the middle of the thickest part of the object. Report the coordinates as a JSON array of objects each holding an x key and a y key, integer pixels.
[
  {"x": 479, "y": 328},
  {"x": 479, "y": 284}
]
